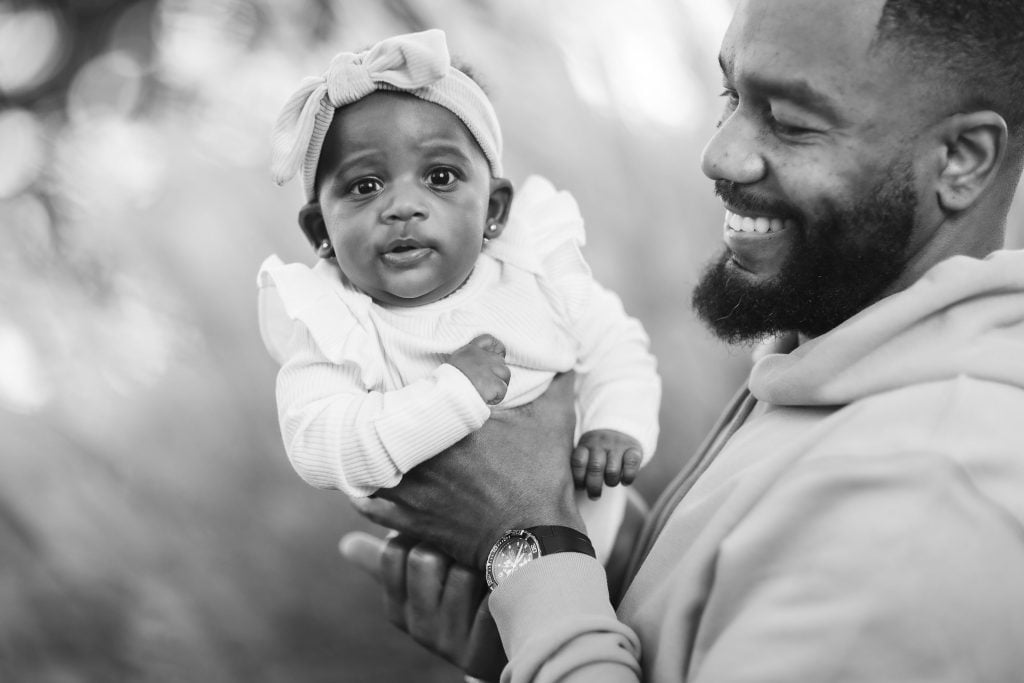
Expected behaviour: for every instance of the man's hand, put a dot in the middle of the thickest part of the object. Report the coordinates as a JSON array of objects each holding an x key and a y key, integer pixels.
[
  {"x": 511, "y": 473},
  {"x": 482, "y": 360},
  {"x": 605, "y": 456},
  {"x": 442, "y": 605}
]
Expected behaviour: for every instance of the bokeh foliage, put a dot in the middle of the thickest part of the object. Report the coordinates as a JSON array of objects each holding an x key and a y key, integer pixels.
[{"x": 151, "y": 528}]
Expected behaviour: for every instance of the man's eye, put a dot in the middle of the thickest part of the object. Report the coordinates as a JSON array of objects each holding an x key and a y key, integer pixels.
[
  {"x": 732, "y": 100},
  {"x": 441, "y": 177},
  {"x": 788, "y": 130},
  {"x": 365, "y": 186}
]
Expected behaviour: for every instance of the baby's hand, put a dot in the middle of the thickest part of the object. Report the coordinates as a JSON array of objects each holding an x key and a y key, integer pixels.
[
  {"x": 483, "y": 361},
  {"x": 605, "y": 456}
]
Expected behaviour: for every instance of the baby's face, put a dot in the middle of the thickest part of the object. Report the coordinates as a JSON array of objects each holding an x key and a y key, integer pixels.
[{"x": 404, "y": 191}]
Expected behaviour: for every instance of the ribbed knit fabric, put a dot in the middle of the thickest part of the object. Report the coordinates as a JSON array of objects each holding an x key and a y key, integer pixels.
[{"x": 364, "y": 393}]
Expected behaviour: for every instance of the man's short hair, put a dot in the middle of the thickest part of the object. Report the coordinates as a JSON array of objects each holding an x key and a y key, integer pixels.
[{"x": 976, "y": 48}]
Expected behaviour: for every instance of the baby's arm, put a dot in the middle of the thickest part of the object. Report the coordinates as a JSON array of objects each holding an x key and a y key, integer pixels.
[
  {"x": 619, "y": 392},
  {"x": 338, "y": 435}
]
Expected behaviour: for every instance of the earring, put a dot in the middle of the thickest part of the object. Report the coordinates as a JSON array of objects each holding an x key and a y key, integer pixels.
[
  {"x": 493, "y": 227},
  {"x": 325, "y": 250}
]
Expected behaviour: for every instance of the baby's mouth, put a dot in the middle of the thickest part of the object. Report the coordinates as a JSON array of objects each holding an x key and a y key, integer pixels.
[{"x": 404, "y": 251}]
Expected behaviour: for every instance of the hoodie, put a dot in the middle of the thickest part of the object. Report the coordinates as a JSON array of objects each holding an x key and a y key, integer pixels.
[{"x": 861, "y": 519}]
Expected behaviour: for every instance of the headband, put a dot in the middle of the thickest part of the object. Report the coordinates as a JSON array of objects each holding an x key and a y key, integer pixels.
[{"x": 416, "y": 63}]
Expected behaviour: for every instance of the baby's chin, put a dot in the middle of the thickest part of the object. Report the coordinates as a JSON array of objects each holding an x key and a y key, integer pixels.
[{"x": 410, "y": 297}]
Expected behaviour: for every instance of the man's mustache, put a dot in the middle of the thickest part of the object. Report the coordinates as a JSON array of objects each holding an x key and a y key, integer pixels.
[{"x": 751, "y": 203}]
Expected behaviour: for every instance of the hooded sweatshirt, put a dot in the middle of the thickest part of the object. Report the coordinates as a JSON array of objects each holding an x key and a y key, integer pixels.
[{"x": 862, "y": 518}]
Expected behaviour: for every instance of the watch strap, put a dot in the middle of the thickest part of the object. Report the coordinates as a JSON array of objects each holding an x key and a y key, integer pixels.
[{"x": 561, "y": 539}]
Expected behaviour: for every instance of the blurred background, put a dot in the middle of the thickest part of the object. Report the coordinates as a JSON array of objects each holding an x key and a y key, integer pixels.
[{"x": 151, "y": 528}]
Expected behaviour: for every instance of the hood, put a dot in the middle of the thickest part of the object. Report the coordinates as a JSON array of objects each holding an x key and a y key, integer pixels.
[{"x": 964, "y": 317}]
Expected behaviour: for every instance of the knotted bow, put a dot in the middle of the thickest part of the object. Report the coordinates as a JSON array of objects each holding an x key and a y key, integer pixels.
[{"x": 417, "y": 63}]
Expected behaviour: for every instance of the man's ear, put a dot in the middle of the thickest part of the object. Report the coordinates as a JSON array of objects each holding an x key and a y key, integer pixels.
[
  {"x": 975, "y": 145},
  {"x": 311, "y": 220},
  {"x": 498, "y": 207}
]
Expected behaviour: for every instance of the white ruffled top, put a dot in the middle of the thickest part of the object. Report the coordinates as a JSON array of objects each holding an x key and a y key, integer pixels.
[{"x": 364, "y": 393}]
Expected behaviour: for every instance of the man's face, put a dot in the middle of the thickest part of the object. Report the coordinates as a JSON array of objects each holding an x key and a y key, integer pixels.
[{"x": 813, "y": 161}]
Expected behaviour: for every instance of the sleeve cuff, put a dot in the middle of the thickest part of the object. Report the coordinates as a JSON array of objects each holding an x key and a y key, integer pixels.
[
  {"x": 547, "y": 596},
  {"x": 454, "y": 410}
]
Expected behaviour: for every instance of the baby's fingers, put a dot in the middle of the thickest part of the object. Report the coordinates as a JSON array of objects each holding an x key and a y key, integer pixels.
[
  {"x": 631, "y": 460},
  {"x": 578, "y": 464},
  {"x": 595, "y": 471},
  {"x": 489, "y": 342},
  {"x": 613, "y": 468}
]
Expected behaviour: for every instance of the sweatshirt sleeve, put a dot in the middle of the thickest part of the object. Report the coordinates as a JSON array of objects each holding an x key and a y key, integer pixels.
[
  {"x": 338, "y": 435},
  {"x": 617, "y": 381},
  {"x": 557, "y": 624},
  {"x": 823, "y": 580}
]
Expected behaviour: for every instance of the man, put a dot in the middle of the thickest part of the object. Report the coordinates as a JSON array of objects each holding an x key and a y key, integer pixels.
[{"x": 858, "y": 514}]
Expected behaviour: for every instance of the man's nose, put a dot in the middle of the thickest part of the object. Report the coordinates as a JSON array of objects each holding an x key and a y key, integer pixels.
[
  {"x": 733, "y": 154},
  {"x": 407, "y": 201}
]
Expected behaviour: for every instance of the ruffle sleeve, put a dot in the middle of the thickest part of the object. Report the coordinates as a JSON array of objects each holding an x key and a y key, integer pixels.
[
  {"x": 294, "y": 293},
  {"x": 544, "y": 235}
]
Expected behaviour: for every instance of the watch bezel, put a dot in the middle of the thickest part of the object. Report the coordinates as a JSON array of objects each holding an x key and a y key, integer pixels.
[{"x": 492, "y": 583}]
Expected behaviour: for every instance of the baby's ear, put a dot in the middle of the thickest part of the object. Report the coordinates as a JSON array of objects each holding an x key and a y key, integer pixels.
[
  {"x": 498, "y": 207},
  {"x": 311, "y": 220}
]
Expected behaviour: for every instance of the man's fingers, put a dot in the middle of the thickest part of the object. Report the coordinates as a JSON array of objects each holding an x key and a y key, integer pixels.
[
  {"x": 485, "y": 656},
  {"x": 364, "y": 551},
  {"x": 393, "y": 564},
  {"x": 426, "y": 574},
  {"x": 379, "y": 510},
  {"x": 463, "y": 591}
]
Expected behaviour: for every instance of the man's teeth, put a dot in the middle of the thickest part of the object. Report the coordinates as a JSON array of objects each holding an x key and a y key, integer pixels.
[{"x": 761, "y": 224}]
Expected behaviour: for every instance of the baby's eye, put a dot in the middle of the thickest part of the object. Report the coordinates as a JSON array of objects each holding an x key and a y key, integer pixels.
[
  {"x": 442, "y": 177},
  {"x": 365, "y": 186}
]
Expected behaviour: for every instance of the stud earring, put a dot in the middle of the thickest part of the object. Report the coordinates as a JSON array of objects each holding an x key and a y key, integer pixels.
[
  {"x": 493, "y": 227},
  {"x": 325, "y": 250}
]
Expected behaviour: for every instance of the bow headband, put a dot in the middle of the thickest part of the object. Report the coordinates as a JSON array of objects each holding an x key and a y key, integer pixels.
[{"x": 416, "y": 63}]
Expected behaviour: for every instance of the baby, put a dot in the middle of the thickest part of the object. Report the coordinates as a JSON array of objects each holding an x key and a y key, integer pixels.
[{"x": 433, "y": 301}]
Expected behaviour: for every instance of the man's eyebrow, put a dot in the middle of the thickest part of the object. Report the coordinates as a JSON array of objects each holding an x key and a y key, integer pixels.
[
  {"x": 796, "y": 90},
  {"x": 725, "y": 64}
]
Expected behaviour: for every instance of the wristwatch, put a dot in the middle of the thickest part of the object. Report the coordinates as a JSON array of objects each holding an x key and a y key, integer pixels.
[{"x": 517, "y": 547}]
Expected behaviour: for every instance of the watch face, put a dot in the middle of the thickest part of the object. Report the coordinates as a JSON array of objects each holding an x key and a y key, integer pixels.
[{"x": 514, "y": 550}]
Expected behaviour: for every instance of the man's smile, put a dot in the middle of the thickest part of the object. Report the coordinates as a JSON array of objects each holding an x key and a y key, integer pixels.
[
  {"x": 758, "y": 244},
  {"x": 756, "y": 224}
]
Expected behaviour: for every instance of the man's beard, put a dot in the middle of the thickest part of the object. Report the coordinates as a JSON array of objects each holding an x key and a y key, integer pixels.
[{"x": 837, "y": 267}]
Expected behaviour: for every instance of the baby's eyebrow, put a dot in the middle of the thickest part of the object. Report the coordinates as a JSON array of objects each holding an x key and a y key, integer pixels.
[
  {"x": 357, "y": 157},
  {"x": 443, "y": 147}
]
